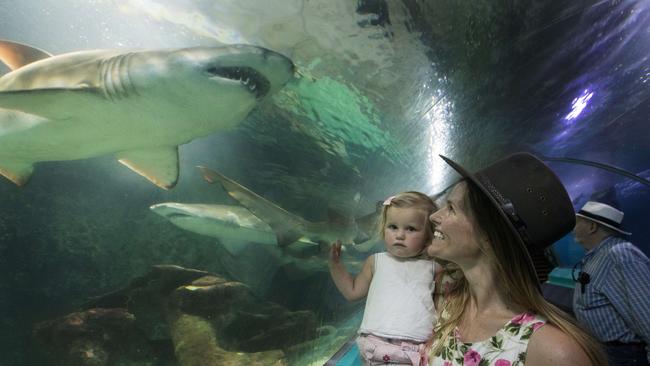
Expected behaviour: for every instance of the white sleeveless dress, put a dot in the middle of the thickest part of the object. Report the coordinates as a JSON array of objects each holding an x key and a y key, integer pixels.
[{"x": 400, "y": 299}]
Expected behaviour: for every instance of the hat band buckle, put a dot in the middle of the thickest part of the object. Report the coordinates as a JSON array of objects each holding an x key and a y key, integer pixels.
[{"x": 508, "y": 208}]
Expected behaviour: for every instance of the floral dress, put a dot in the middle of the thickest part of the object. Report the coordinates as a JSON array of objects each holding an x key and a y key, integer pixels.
[{"x": 506, "y": 348}]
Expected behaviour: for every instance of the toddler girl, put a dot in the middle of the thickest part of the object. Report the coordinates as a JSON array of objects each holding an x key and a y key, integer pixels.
[{"x": 399, "y": 314}]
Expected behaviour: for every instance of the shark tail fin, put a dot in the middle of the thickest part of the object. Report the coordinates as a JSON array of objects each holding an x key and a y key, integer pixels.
[
  {"x": 19, "y": 173},
  {"x": 16, "y": 55},
  {"x": 159, "y": 165}
]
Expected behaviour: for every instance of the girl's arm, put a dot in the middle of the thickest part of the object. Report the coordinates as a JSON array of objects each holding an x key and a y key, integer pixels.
[{"x": 352, "y": 288}]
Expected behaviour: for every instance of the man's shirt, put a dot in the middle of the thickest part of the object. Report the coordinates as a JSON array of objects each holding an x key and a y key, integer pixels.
[{"x": 615, "y": 305}]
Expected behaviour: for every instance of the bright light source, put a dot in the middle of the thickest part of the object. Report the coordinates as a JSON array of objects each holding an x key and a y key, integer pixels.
[
  {"x": 579, "y": 104},
  {"x": 439, "y": 129}
]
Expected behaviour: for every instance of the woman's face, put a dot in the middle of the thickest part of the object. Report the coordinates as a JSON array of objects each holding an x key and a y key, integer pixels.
[{"x": 456, "y": 238}]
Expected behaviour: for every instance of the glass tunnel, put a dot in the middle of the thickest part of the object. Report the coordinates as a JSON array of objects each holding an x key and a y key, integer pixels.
[{"x": 174, "y": 171}]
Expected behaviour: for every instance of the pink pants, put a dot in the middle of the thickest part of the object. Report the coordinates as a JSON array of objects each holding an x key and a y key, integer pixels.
[{"x": 381, "y": 351}]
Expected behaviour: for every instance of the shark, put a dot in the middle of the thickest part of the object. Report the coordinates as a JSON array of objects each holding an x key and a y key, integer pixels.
[
  {"x": 247, "y": 247},
  {"x": 234, "y": 226},
  {"x": 224, "y": 222},
  {"x": 138, "y": 105},
  {"x": 289, "y": 227}
]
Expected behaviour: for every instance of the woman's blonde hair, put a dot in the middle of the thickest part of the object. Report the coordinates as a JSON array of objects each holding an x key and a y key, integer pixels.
[
  {"x": 519, "y": 285},
  {"x": 409, "y": 199}
]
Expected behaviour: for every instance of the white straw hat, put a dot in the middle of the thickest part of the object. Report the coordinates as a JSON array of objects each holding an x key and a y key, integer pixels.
[{"x": 603, "y": 214}]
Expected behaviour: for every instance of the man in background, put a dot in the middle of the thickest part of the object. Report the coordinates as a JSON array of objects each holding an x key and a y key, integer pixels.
[{"x": 612, "y": 296}]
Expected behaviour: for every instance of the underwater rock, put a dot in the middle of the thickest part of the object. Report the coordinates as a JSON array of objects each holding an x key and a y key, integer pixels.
[
  {"x": 94, "y": 337},
  {"x": 204, "y": 319},
  {"x": 196, "y": 344},
  {"x": 146, "y": 295},
  {"x": 210, "y": 295},
  {"x": 242, "y": 321},
  {"x": 163, "y": 278},
  {"x": 255, "y": 331}
]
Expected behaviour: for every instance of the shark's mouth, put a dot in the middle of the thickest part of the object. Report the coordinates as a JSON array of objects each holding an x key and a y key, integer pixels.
[
  {"x": 177, "y": 215},
  {"x": 249, "y": 78}
]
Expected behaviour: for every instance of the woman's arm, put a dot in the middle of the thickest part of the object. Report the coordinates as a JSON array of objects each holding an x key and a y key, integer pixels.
[
  {"x": 352, "y": 288},
  {"x": 550, "y": 346}
]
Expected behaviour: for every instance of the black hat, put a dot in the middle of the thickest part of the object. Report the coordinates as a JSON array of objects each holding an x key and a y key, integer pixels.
[{"x": 529, "y": 196}]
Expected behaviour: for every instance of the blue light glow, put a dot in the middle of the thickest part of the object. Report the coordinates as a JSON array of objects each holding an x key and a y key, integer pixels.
[{"x": 579, "y": 104}]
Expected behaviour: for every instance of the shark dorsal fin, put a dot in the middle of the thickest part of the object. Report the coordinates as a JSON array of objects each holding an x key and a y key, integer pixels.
[
  {"x": 288, "y": 227},
  {"x": 16, "y": 55},
  {"x": 159, "y": 164}
]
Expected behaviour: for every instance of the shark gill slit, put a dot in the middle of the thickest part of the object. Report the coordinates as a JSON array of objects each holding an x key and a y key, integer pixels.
[
  {"x": 115, "y": 78},
  {"x": 104, "y": 73},
  {"x": 125, "y": 76}
]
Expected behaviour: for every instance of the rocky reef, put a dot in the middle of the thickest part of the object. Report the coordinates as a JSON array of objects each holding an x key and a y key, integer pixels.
[{"x": 177, "y": 316}]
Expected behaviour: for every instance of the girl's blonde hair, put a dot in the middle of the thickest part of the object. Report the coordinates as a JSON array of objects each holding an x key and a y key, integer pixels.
[
  {"x": 409, "y": 199},
  {"x": 519, "y": 286}
]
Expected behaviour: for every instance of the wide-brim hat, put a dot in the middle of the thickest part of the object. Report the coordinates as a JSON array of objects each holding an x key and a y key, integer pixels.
[
  {"x": 529, "y": 196},
  {"x": 603, "y": 214}
]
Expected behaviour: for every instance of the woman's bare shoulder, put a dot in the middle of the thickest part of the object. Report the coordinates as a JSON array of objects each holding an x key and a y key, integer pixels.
[{"x": 551, "y": 346}]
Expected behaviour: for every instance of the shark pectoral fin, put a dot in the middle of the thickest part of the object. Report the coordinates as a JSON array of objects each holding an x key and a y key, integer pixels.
[
  {"x": 52, "y": 103},
  {"x": 19, "y": 173},
  {"x": 159, "y": 164},
  {"x": 16, "y": 55},
  {"x": 286, "y": 238}
]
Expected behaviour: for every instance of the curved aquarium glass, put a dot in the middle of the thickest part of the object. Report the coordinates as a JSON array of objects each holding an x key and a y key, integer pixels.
[{"x": 173, "y": 172}]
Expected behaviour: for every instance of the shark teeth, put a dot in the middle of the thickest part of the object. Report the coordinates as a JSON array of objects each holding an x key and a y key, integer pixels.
[{"x": 249, "y": 78}]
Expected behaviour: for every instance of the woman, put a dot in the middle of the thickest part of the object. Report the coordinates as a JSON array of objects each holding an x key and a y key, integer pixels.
[{"x": 495, "y": 314}]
